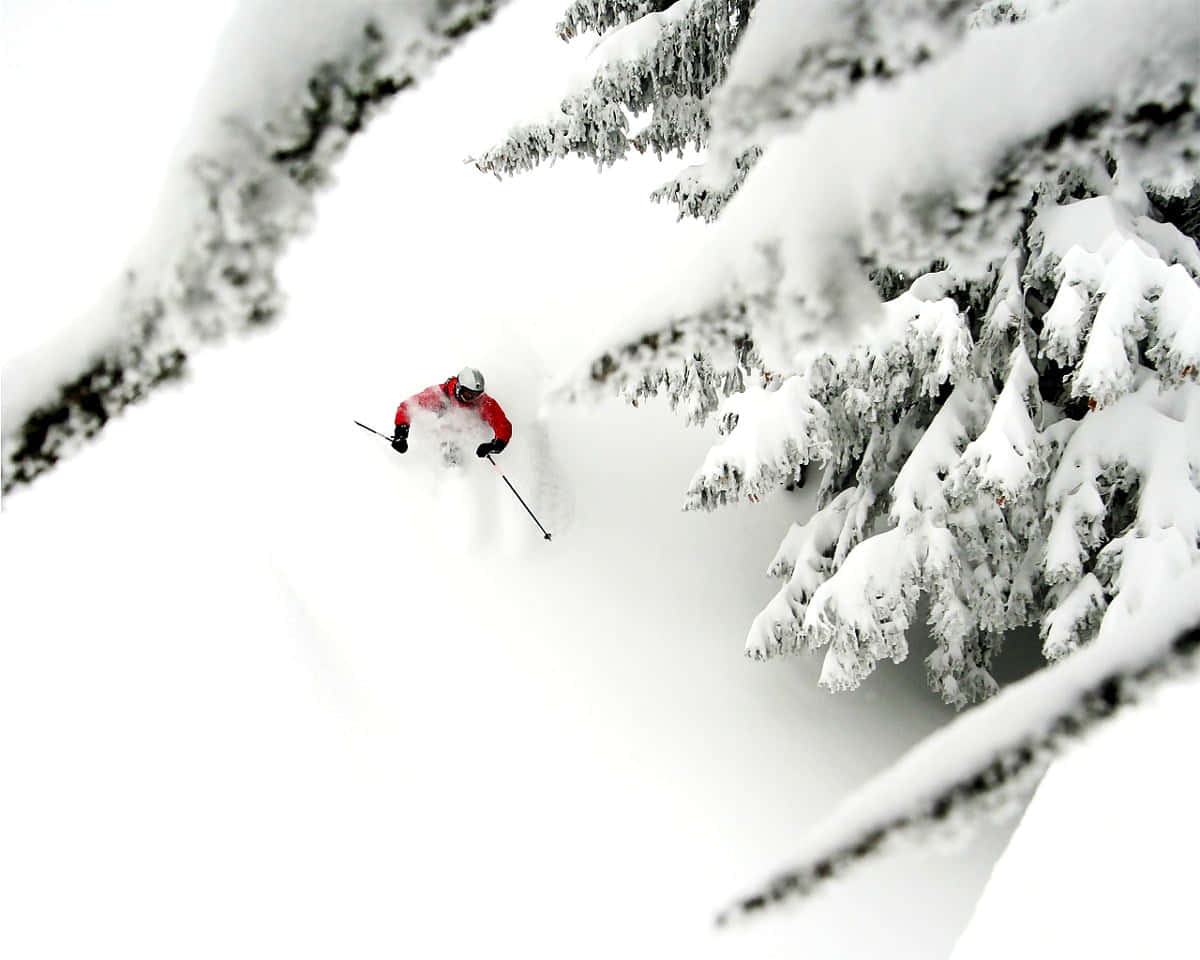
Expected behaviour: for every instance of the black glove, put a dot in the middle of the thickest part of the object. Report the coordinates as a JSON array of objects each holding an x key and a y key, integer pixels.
[
  {"x": 400, "y": 438},
  {"x": 495, "y": 445}
]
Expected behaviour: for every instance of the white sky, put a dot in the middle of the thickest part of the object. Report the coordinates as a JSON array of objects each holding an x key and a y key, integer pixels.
[{"x": 270, "y": 690}]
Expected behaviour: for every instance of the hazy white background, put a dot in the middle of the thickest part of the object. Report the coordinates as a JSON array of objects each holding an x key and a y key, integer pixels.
[
  {"x": 270, "y": 690},
  {"x": 96, "y": 95}
]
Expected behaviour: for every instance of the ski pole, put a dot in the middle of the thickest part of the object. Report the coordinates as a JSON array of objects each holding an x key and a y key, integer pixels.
[
  {"x": 518, "y": 496},
  {"x": 545, "y": 533},
  {"x": 376, "y": 432}
]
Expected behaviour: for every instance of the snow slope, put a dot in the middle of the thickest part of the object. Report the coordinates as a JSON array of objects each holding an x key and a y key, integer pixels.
[{"x": 269, "y": 689}]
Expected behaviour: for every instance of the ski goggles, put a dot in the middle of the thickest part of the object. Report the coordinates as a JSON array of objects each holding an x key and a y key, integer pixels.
[{"x": 467, "y": 396}]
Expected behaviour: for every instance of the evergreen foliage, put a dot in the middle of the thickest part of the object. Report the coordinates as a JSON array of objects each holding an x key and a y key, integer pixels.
[
  {"x": 1018, "y": 439},
  {"x": 654, "y": 58},
  {"x": 998, "y": 763},
  {"x": 598, "y": 16}
]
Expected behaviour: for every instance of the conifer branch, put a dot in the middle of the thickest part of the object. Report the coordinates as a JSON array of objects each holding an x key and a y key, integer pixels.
[
  {"x": 599, "y": 16},
  {"x": 998, "y": 760},
  {"x": 255, "y": 195},
  {"x": 691, "y": 191},
  {"x": 845, "y": 44},
  {"x": 664, "y": 62}
]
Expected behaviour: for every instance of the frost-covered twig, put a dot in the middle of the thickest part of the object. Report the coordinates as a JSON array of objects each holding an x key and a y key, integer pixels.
[
  {"x": 695, "y": 193},
  {"x": 599, "y": 16},
  {"x": 695, "y": 361}
]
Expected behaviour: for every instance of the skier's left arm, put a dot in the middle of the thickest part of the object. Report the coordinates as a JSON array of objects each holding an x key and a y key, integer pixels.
[{"x": 493, "y": 416}]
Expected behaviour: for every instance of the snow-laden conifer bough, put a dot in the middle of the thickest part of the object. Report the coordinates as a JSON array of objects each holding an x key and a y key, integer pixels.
[
  {"x": 952, "y": 281},
  {"x": 988, "y": 762},
  {"x": 266, "y": 136}
]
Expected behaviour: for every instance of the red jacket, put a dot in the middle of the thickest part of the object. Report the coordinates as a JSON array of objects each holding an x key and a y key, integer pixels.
[{"x": 440, "y": 398}]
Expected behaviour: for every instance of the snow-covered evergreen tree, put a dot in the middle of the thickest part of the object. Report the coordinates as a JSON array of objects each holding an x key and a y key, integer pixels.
[{"x": 952, "y": 278}]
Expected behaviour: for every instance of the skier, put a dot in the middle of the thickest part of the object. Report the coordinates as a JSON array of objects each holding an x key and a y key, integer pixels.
[{"x": 464, "y": 391}]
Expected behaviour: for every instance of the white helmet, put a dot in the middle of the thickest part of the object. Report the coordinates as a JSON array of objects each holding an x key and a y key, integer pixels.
[{"x": 470, "y": 385}]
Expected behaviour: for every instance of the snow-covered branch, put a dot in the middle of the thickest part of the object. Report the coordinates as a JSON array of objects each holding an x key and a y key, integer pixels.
[
  {"x": 695, "y": 192},
  {"x": 245, "y": 191},
  {"x": 1003, "y": 508},
  {"x": 774, "y": 434},
  {"x": 695, "y": 361},
  {"x": 665, "y": 62},
  {"x": 599, "y": 16},
  {"x": 976, "y": 222},
  {"x": 988, "y": 762},
  {"x": 837, "y": 45},
  {"x": 1125, "y": 509}
]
